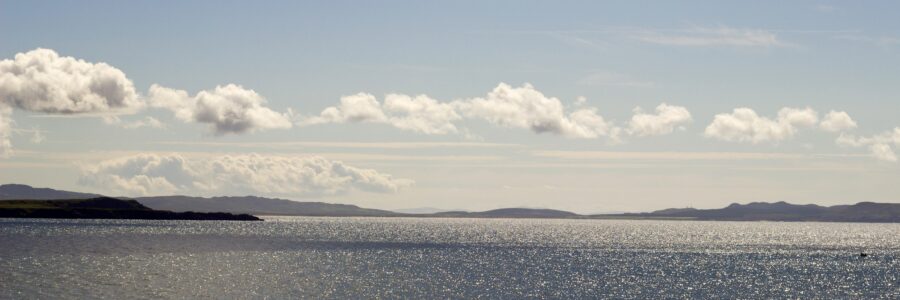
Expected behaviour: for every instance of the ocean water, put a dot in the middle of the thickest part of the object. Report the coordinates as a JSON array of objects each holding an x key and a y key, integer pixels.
[{"x": 301, "y": 257}]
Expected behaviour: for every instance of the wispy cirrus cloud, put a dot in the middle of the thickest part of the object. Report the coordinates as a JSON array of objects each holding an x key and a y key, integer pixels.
[
  {"x": 709, "y": 37},
  {"x": 881, "y": 41},
  {"x": 693, "y": 36},
  {"x": 146, "y": 122},
  {"x": 677, "y": 156},
  {"x": 348, "y": 145}
]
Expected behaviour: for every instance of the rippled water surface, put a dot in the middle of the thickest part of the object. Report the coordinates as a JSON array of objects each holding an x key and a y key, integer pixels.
[{"x": 302, "y": 257}]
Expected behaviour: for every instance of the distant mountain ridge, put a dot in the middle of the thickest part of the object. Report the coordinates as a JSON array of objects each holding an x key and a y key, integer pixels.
[
  {"x": 756, "y": 211},
  {"x": 236, "y": 205},
  {"x": 423, "y": 210},
  {"x": 781, "y": 211},
  {"x": 510, "y": 213},
  {"x": 259, "y": 206},
  {"x": 25, "y": 192}
]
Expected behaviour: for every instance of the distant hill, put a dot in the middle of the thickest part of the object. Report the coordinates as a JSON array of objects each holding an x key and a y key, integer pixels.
[
  {"x": 757, "y": 211},
  {"x": 237, "y": 205},
  {"x": 422, "y": 210},
  {"x": 259, "y": 206},
  {"x": 102, "y": 208},
  {"x": 779, "y": 211},
  {"x": 510, "y": 213},
  {"x": 24, "y": 192}
]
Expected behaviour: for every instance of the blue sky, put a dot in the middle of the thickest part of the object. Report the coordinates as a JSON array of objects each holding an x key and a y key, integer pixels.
[{"x": 707, "y": 58}]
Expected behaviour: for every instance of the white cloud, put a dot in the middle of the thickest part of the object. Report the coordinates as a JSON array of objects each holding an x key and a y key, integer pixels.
[
  {"x": 507, "y": 106},
  {"x": 883, "y": 152},
  {"x": 526, "y": 107},
  {"x": 142, "y": 175},
  {"x": 152, "y": 174},
  {"x": 709, "y": 37},
  {"x": 42, "y": 81},
  {"x": 744, "y": 125},
  {"x": 850, "y": 141},
  {"x": 228, "y": 109},
  {"x": 666, "y": 119},
  {"x": 420, "y": 114},
  {"x": 837, "y": 121},
  {"x": 148, "y": 122},
  {"x": 879, "y": 145},
  {"x": 6, "y": 123},
  {"x": 360, "y": 107}
]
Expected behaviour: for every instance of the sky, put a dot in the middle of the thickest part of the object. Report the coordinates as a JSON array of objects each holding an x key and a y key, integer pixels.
[{"x": 584, "y": 106}]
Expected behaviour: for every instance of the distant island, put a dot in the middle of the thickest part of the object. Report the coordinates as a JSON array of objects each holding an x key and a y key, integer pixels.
[
  {"x": 259, "y": 206},
  {"x": 103, "y": 208},
  {"x": 779, "y": 211}
]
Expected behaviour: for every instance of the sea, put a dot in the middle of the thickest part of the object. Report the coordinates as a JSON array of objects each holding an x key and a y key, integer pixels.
[{"x": 429, "y": 258}]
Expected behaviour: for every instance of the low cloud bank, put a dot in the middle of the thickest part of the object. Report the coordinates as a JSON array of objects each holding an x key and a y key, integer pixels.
[{"x": 164, "y": 174}]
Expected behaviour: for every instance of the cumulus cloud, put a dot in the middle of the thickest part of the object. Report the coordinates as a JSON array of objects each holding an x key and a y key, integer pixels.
[
  {"x": 361, "y": 107},
  {"x": 837, "y": 121},
  {"x": 420, "y": 114},
  {"x": 881, "y": 146},
  {"x": 228, "y": 109},
  {"x": 43, "y": 81},
  {"x": 710, "y": 37},
  {"x": 525, "y": 107},
  {"x": 153, "y": 174},
  {"x": 883, "y": 152},
  {"x": 666, "y": 119},
  {"x": 744, "y": 125},
  {"x": 507, "y": 106}
]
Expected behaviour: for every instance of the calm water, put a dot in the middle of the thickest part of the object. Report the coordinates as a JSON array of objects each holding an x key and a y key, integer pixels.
[{"x": 446, "y": 258}]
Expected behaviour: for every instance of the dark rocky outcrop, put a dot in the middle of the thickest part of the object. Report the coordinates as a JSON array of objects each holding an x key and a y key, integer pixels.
[{"x": 102, "y": 208}]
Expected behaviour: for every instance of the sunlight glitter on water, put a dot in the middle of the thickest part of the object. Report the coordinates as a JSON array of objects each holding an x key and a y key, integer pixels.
[{"x": 456, "y": 258}]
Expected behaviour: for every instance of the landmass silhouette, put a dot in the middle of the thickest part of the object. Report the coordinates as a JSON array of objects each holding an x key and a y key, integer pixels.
[{"x": 261, "y": 206}]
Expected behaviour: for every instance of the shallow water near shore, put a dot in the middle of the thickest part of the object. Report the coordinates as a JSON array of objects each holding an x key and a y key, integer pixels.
[{"x": 313, "y": 257}]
